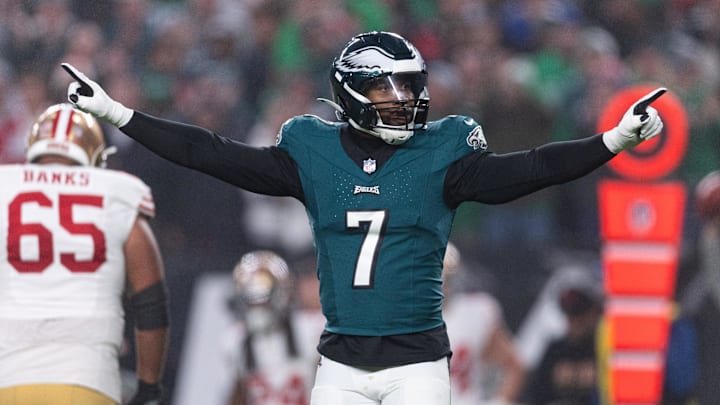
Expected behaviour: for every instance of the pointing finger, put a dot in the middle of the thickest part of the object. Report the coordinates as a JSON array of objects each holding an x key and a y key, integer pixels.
[
  {"x": 641, "y": 106},
  {"x": 84, "y": 89}
]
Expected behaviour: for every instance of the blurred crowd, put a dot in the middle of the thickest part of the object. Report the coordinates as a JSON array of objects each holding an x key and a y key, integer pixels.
[{"x": 530, "y": 71}]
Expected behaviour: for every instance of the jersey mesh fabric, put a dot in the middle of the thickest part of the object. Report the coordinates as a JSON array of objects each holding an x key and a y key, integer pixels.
[{"x": 380, "y": 237}]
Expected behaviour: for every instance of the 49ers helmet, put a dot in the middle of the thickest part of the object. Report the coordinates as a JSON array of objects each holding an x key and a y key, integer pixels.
[
  {"x": 262, "y": 278},
  {"x": 65, "y": 131},
  {"x": 377, "y": 56},
  {"x": 707, "y": 196}
]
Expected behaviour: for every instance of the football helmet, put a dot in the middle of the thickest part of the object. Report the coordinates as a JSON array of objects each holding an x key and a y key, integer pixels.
[
  {"x": 707, "y": 196},
  {"x": 65, "y": 131},
  {"x": 263, "y": 288},
  {"x": 381, "y": 59}
]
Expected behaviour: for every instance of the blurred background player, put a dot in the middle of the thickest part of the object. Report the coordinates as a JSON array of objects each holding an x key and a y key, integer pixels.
[
  {"x": 74, "y": 238},
  {"x": 485, "y": 367},
  {"x": 253, "y": 334},
  {"x": 275, "y": 342},
  {"x": 700, "y": 300}
]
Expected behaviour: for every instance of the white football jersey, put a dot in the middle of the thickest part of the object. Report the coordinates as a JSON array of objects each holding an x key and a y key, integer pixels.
[
  {"x": 278, "y": 378},
  {"x": 214, "y": 355},
  {"x": 470, "y": 320},
  {"x": 62, "y": 272}
]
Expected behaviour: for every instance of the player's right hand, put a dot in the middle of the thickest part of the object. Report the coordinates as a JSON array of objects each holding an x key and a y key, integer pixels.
[{"x": 88, "y": 96}]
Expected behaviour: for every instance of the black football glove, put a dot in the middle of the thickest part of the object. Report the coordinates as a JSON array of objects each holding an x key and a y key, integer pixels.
[{"x": 146, "y": 394}]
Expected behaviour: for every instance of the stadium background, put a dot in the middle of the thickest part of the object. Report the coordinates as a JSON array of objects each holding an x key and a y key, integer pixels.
[{"x": 530, "y": 71}]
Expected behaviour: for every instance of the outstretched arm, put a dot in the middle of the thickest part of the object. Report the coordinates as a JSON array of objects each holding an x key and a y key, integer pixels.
[
  {"x": 267, "y": 170},
  {"x": 494, "y": 179},
  {"x": 264, "y": 170}
]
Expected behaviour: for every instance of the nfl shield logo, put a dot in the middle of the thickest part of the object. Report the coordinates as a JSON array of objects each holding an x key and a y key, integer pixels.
[{"x": 369, "y": 165}]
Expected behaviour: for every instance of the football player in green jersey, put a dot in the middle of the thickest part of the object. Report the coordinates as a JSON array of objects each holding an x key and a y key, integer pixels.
[{"x": 380, "y": 186}]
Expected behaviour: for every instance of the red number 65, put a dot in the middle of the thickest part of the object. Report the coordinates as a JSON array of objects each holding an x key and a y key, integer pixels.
[{"x": 17, "y": 229}]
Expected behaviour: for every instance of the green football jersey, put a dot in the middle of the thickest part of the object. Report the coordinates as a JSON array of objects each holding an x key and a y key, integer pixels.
[{"x": 380, "y": 232}]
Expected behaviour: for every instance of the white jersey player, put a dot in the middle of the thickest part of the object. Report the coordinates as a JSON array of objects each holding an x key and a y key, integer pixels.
[
  {"x": 71, "y": 234},
  {"x": 274, "y": 343},
  {"x": 481, "y": 344}
]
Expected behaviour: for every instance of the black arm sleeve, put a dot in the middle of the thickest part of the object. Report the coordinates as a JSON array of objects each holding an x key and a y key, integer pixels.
[
  {"x": 493, "y": 179},
  {"x": 267, "y": 170}
]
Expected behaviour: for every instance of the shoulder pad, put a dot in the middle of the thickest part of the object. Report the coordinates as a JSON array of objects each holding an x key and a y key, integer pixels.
[{"x": 301, "y": 128}]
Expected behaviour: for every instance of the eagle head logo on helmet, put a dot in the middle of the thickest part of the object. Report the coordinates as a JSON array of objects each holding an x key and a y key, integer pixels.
[
  {"x": 386, "y": 56},
  {"x": 62, "y": 130}
]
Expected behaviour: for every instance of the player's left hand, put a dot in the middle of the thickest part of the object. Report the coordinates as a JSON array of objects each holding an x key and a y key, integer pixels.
[
  {"x": 640, "y": 122},
  {"x": 146, "y": 394}
]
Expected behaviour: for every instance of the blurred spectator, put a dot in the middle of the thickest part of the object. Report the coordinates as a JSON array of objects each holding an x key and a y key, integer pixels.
[
  {"x": 12, "y": 119},
  {"x": 634, "y": 24},
  {"x": 165, "y": 61},
  {"x": 87, "y": 42},
  {"x": 23, "y": 97},
  {"x": 446, "y": 88},
  {"x": 309, "y": 36},
  {"x": 38, "y": 33},
  {"x": 508, "y": 95},
  {"x": 130, "y": 31},
  {"x": 682, "y": 362},
  {"x": 568, "y": 372},
  {"x": 207, "y": 97}
]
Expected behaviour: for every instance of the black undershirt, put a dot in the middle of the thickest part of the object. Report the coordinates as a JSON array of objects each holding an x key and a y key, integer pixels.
[
  {"x": 483, "y": 177},
  {"x": 361, "y": 146}
]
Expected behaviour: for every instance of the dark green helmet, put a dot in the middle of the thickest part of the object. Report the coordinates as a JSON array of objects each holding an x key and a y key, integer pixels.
[{"x": 380, "y": 57}]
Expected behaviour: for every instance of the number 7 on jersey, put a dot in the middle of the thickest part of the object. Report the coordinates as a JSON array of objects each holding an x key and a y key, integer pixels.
[{"x": 376, "y": 222}]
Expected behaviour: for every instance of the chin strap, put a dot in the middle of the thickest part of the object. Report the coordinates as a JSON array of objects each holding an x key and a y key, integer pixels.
[
  {"x": 339, "y": 111},
  {"x": 393, "y": 139}
]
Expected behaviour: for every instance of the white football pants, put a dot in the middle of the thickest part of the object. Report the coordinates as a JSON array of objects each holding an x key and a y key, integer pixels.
[{"x": 414, "y": 384}]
